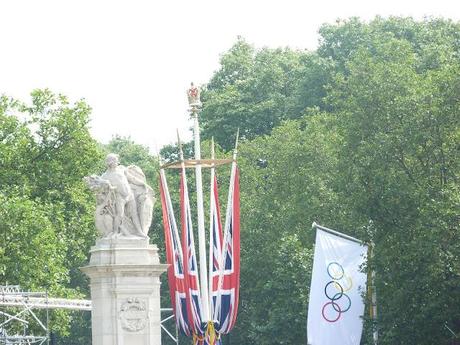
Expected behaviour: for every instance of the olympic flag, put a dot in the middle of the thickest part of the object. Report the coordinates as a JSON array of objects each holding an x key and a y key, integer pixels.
[{"x": 336, "y": 304}]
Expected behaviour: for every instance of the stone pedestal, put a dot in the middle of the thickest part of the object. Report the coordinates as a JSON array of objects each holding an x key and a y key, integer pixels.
[{"x": 125, "y": 292}]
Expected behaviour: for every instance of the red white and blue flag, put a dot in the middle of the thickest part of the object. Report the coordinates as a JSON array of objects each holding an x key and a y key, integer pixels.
[
  {"x": 227, "y": 294},
  {"x": 174, "y": 257},
  {"x": 190, "y": 262},
  {"x": 215, "y": 245},
  {"x": 224, "y": 262}
]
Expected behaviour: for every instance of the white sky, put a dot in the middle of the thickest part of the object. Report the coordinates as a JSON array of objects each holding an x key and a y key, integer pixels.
[{"x": 133, "y": 60}]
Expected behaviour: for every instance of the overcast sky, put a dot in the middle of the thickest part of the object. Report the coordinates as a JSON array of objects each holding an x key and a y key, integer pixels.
[{"x": 133, "y": 60}]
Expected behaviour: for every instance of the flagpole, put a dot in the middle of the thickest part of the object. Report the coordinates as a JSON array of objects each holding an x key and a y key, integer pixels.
[
  {"x": 228, "y": 215},
  {"x": 317, "y": 226},
  {"x": 375, "y": 333},
  {"x": 194, "y": 109},
  {"x": 211, "y": 233}
]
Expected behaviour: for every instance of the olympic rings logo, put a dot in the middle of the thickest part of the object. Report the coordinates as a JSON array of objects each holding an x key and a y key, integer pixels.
[{"x": 335, "y": 291}]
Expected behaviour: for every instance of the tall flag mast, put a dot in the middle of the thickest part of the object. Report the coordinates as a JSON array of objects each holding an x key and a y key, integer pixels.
[
  {"x": 195, "y": 107},
  {"x": 215, "y": 238},
  {"x": 229, "y": 276}
]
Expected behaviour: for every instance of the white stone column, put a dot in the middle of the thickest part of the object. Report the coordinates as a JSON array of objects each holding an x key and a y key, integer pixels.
[{"x": 125, "y": 291}]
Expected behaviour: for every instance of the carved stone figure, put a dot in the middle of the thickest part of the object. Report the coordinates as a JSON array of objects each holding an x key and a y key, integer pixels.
[{"x": 124, "y": 200}]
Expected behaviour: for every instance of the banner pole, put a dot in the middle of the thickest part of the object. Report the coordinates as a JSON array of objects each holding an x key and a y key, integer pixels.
[
  {"x": 200, "y": 211},
  {"x": 211, "y": 233},
  {"x": 375, "y": 333},
  {"x": 317, "y": 226},
  {"x": 227, "y": 217}
]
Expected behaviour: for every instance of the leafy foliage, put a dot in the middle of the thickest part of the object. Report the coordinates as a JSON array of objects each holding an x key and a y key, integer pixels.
[
  {"x": 46, "y": 211},
  {"x": 399, "y": 124},
  {"x": 375, "y": 154},
  {"x": 256, "y": 90}
]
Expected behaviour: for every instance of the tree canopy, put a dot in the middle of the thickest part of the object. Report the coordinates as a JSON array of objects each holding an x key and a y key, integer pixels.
[
  {"x": 46, "y": 213},
  {"x": 374, "y": 153}
]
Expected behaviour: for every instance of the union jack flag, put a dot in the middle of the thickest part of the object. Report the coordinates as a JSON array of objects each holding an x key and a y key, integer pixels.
[
  {"x": 224, "y": 262},
  {"x": 215, "y": 245},
  {"x": 190, "y": 262},
  {"x": 227, "y": 296},
  {"x": 178, "y": 289}
]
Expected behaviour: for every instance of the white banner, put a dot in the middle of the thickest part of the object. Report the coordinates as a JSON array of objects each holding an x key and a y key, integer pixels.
[{"x": 336, "y": 304}]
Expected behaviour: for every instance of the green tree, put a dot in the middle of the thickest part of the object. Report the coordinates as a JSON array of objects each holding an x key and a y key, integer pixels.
[
  {"x": 47, "y": 211},
  {"x": 374, "y": 154},
  {"x": 286, "y": 183},
  {"x": 399, "y": 169},
  {"x": 429, "y": 39},
  {"x": 256, "y": 90}
]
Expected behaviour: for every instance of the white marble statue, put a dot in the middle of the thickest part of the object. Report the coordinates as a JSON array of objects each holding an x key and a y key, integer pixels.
[{"x": 124, "y": 200}]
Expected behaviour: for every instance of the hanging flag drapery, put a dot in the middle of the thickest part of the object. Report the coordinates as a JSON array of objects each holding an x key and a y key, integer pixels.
[
  {"x": 215, "y": 245},
  {"x": 336, "y": 306},
  {"x": 190, "y": 263},
  {"x": 224, "y": 262},
  {"x": 227, "y": 293},
  {"x": 176, "y": 281}
]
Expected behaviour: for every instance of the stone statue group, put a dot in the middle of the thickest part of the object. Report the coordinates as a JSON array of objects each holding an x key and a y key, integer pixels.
[{"x": 124, "y": 200}]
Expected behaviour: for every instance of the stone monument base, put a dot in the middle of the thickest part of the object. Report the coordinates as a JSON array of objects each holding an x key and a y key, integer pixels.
[{"x": 125, "y": 291}]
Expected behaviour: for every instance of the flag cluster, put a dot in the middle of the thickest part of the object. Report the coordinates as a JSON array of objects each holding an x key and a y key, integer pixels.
[{"x": 224, "y": 262}]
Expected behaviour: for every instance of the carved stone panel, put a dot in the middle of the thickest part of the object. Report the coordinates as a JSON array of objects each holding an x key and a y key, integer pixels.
[{"x": 133, "y": 315}]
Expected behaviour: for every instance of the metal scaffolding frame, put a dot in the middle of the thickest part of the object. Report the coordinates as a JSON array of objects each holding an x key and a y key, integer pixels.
[{"x": 14, "y": 296}]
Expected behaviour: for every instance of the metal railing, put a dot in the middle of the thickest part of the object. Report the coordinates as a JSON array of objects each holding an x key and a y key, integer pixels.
[{"x": 14, "y": 296}]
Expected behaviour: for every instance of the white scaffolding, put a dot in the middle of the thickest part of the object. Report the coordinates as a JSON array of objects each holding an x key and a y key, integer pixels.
[{"x": 27, "y": 302}]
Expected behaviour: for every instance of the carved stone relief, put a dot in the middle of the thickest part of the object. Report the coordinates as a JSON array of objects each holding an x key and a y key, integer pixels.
[{"x": 133, "y": 315}]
